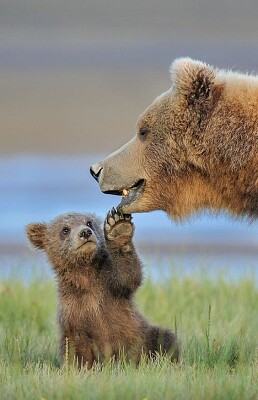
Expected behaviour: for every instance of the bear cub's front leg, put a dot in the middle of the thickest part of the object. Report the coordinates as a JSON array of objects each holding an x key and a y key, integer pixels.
[{"x": 125, "y": 275}]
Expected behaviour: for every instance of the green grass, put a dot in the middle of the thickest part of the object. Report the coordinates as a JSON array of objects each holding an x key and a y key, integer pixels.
[{"x": 216, "y": 320}]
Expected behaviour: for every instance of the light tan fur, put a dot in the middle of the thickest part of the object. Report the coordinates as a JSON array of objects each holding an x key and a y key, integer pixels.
[{"x": 200, "y": 150}]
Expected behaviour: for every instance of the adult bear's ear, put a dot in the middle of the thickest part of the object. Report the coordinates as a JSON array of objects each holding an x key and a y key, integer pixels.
[
  {"x": 193, "y": 80},
  {"x": 36, "y": 234}
]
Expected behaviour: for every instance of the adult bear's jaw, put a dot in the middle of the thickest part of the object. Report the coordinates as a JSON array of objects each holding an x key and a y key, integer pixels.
[{"x": 130, "y": 196}]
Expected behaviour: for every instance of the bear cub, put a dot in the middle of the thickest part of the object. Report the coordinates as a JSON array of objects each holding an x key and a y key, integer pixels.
[{"x": 98, "y": 271}]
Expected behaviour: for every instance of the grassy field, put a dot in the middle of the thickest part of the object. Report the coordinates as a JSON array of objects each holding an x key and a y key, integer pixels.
[{"x": 216, "y": 320}]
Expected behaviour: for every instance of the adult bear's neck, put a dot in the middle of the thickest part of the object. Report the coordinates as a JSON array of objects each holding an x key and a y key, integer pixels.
[
  {"x": 235, "y": 192},
  {"x": 238, "y": 189}
]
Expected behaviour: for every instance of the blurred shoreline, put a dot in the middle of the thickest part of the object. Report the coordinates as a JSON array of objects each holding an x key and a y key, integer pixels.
[
  {"x": 38, "y": 188},
  {"x": 166, "y": 249}
]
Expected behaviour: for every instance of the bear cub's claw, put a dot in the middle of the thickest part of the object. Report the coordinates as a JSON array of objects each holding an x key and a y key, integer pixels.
[{"x": 118, "y": 225}]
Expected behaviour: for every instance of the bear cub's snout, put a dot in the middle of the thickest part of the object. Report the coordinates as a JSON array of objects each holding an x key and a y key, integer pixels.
[{"x": 84, "y": 234}]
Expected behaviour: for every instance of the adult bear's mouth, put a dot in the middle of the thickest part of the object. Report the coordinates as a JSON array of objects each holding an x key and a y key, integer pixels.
[{"x": 129, "y": 195}]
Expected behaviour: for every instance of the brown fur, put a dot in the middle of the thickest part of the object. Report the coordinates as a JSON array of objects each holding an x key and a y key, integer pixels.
[
  {"x": 97, "y": 275},
  {"x": 200, "y": 150}
]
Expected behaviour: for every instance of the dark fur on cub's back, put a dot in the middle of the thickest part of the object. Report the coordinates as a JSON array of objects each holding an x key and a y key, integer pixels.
[{"x": 98, "y": 272}]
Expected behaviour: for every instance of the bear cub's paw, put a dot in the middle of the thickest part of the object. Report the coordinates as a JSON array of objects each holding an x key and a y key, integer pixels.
[{"x": 118, "y": 225}]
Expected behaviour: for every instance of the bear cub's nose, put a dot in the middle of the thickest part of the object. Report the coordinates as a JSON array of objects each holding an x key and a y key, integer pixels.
[{"x": 85, "y": 233}]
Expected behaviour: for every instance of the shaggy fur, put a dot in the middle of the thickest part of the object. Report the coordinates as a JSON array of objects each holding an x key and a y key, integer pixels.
[
  {"x": 97, "y": 274},
  {"x": 199, "y": 149}
]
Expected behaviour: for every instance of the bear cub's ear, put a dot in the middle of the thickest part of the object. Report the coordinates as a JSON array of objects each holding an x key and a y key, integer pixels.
[
  {"x": 192, "y": 79},
  {"x": 36, "y": 234}
]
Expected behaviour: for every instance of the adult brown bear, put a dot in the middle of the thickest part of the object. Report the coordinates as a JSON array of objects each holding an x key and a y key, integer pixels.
[{"x": 196, "y": 147}]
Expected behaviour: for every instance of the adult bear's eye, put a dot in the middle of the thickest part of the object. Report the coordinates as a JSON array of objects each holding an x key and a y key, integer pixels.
[
  {"x": 89, "y": 224},
  {"x": 143, "y": 132},
  {"x": 65, "y": 230}
]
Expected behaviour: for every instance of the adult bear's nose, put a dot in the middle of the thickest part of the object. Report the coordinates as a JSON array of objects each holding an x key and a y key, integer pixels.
[
  {"x": 95, "y": 171},
  {"x": 85, "y": 233}
]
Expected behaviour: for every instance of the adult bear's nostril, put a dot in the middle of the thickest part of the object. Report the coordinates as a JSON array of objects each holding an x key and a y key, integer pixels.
[
  {"x": 95, "y": 171},
  {"x": 85, "y": 234}
]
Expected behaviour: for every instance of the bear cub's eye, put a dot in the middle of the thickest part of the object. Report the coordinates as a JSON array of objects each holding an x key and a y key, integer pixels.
[
  {"x": 143, "y": 132},
  {"x": 89, "y": 224},
  {"x": 65, "y": 230}
]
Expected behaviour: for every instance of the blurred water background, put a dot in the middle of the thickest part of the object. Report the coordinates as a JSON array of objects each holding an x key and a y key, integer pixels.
[{"x": 74, "y": 77}]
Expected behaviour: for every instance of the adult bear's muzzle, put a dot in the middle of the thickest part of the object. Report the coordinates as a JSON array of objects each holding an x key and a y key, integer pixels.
[{"x": 122, "y": 174}]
